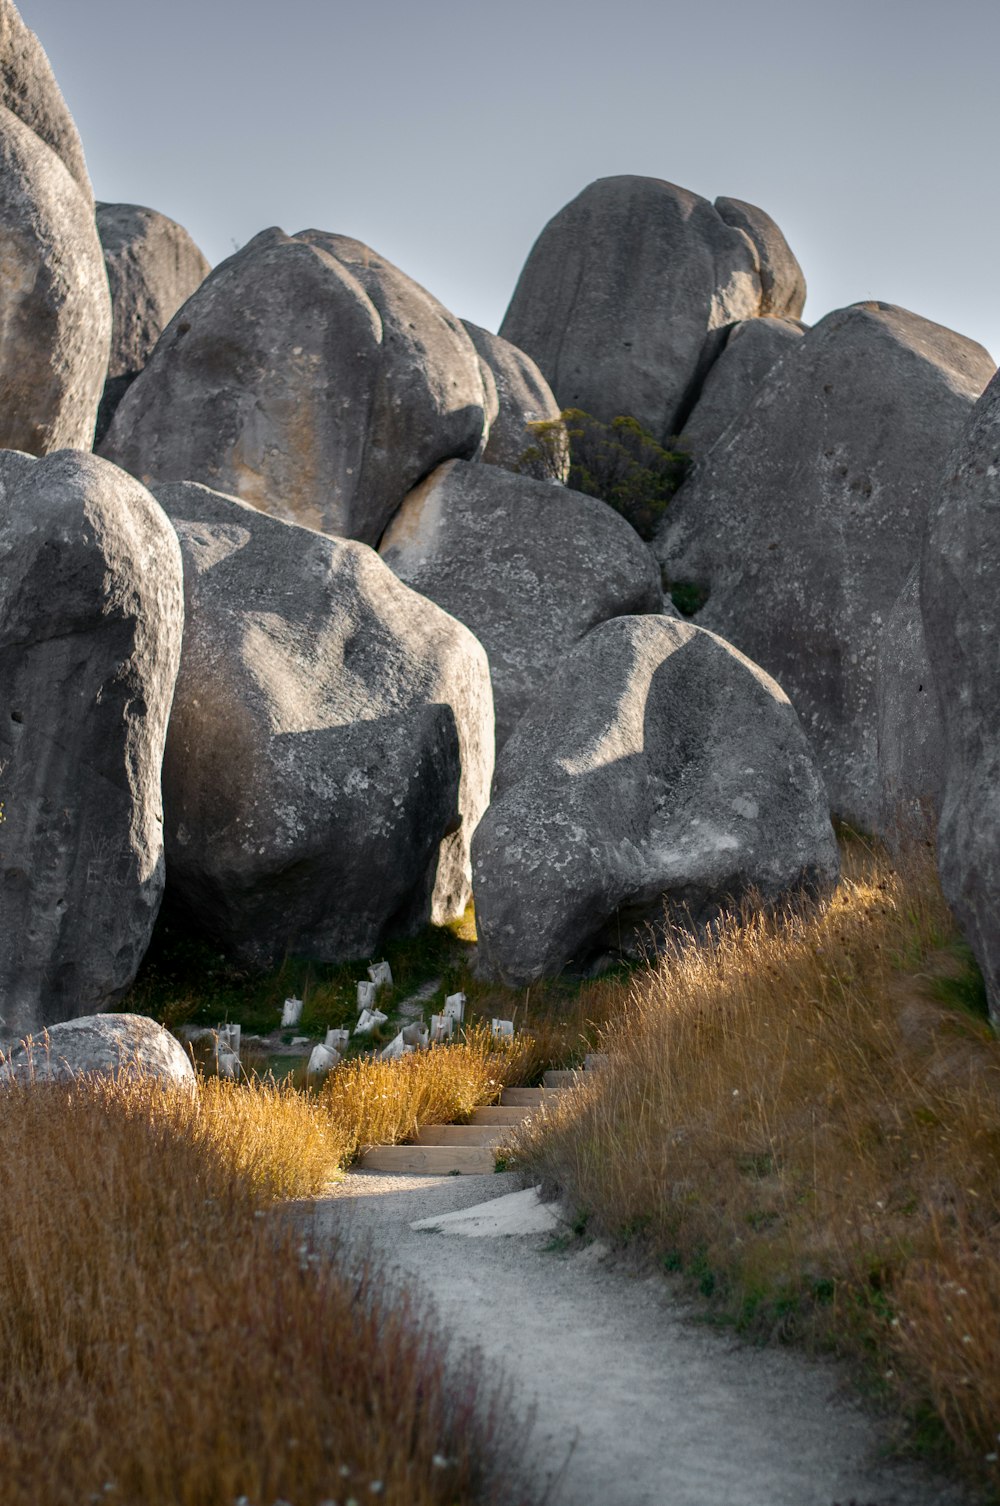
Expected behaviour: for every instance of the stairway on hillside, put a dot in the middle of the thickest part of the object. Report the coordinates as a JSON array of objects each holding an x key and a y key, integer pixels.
[{"x": 469, "y": 1149}]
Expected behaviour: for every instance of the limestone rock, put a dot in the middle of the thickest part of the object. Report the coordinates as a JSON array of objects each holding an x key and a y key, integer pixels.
[
  {"x": 55, "y": 308},
  {"x": 911, "y": 735},
  {"x": 528, "y": 567},
  {"x": 752, "y": 348},
  {"x": 91, "y": 615},
  {"x": 308, "y": 377},
  {"x": 622, "y": 297},
  {"x": 524, "y": 397},
  {"x": 782, "y": 284},
  {"x": 331, "y": 741},
  {"x": 29, "y": 90},
  {"x": 805, "y": 518},
  {"x": 960, "y": 591},
  {"x": 153, "y": 267},
  {"x": 101, "y": 1045},
  {"x": 662, "y": 770}
]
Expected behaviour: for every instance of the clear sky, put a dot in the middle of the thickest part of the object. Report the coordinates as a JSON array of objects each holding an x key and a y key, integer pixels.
[{"x": 446, "y": 132}]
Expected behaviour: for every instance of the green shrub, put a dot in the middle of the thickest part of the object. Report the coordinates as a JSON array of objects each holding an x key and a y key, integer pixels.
[{"x": 618, "y": 462}]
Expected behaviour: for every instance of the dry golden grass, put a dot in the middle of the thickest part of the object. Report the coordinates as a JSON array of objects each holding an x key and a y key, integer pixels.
[
  {"x": 165, "y": 1342},
  {"x": 790, "y": 1118}
]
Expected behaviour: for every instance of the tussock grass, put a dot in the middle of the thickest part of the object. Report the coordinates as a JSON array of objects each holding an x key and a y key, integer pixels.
[
  {"x": 374, "y": 1102},
  {"x": 165, "y": 1341},
  {"x": 791, "y": 1118}
]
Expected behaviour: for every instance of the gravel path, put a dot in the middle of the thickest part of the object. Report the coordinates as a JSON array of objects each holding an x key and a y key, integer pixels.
[{"x": 635, "y": 1404}]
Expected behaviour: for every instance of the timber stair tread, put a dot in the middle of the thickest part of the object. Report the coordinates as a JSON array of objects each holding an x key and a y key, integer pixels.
[{"x": 466, "y": 1149}]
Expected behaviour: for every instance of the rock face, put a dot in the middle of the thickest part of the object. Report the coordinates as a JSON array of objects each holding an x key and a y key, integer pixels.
[
  {"x": 911, "y": 735},
  {"x": 331, "y": 742},
  {"x": 91, "y": 616},
  {"x": 310, "y": 378},
  {"x": 752, "y": 348},
  {"x": 29, "y": 91},
  {"x": 622, "y": 297},
  {"x": 102, "y": 1045},
  {"x": 524, "y": 397},
  {"x": 960, "y": 589},
  {"x": 661, "y": 770},
  {"x": 153, "y": 267},
  {"x": 782, "y": 284},
  {"x": 529, "y": 568},
  {"x": 805, "y": 518},
  {"x": 55, "y": 309}
]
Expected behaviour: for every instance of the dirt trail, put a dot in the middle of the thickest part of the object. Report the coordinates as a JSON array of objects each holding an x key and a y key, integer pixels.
[{"x": 636, "y": 1405}]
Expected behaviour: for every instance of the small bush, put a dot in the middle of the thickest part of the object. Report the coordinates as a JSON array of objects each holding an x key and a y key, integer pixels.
[{"x": 623, "y": 465}]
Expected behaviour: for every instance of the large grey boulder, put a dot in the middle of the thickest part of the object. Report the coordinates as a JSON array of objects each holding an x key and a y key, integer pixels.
[
  {"x": 91, "y": 616},
  {"x": 331, "y": 742},
  {"x": 805, "y": 518},
  {"x": 528, "y": 567},
  {"x": 624, "y": 294},
  {"x": 55, "y": 308},
  {"x": 662, "y": 777},
  {"x": 911, "y": 734},
  {"x": 153, "y": 267},
  {"x": 310, "y": 378},
  {"x": 751, "y": 350},
  {"x": 960, "y": 592},
  {"x": 29, "y": 90},
  {"x": 523, "y": 397},
  {"x": 782, "y": 284},
  {"x": 122, "y": 1046}
]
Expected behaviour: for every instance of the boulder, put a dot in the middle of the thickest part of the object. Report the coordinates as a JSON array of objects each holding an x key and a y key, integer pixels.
[
  {"x": 662, "y": 778},
  {"x": 310, "y": 378},
  {"x": 752, "y": 348},
  {"x": 331, "y": 741},
  {"x": 623, "y": 296},
  {"x": 960, "y": 592},
  {"x": 782, "y": 284},
  {"x": 91, "y": 616},
  {"x": 125, "y": 1046},
  {"x": 29, "y": 90},
  {"x": 804, "y": 519},
  {"x": 523, "y": 397},
  {"x": 153, "y": 267},
  {"x": 528, "y": 567},
  {"x": 55, "y": 308},
  {"x": 911, "y": 734}
]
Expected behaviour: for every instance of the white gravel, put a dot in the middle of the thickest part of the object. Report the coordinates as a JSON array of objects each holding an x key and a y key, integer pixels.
[{"x": 636, "y": 1404}]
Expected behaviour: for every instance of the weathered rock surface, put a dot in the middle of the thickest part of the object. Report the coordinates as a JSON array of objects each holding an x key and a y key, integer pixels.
[
  {"x": 805, "y": 518},
  {"x": 153, "y": 267},
  {"x": 29, "y": 90},
  {"x": 91, "y": 616},
  {"x": 782, "y": 284},
  {"x": 661, "y": 772},
  {"x": 101, "y": 1045},
  {"x": 524, "y": 397},
  {"x": 622, "y": 297},
  {"x": 528, "y": 567},
  {"x": 752, "y": 348},
  {"x": 911, "y": 737},
  {"x": 960, "y": 592},
  {"x": 310, "y": 378},
  {"x": 331, "y": 742},
  {"x": 55, "y": 308}
]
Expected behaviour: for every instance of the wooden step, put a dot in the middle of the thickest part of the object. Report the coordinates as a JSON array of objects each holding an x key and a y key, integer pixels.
[
  {"x": 528, "y": 1098},
  {"x": 494, "y": 1114},
  {"x": 430, "y": 1160},
  {"x": 461, "y": 1134},
  {"x": 554, "y": 1079}
]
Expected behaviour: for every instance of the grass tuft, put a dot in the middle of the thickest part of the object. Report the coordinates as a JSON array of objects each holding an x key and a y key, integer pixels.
[{"x": 795, "y": 1118}]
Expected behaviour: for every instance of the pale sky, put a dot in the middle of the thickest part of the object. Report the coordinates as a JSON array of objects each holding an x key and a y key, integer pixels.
[{"x": 444, "y": 133}]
